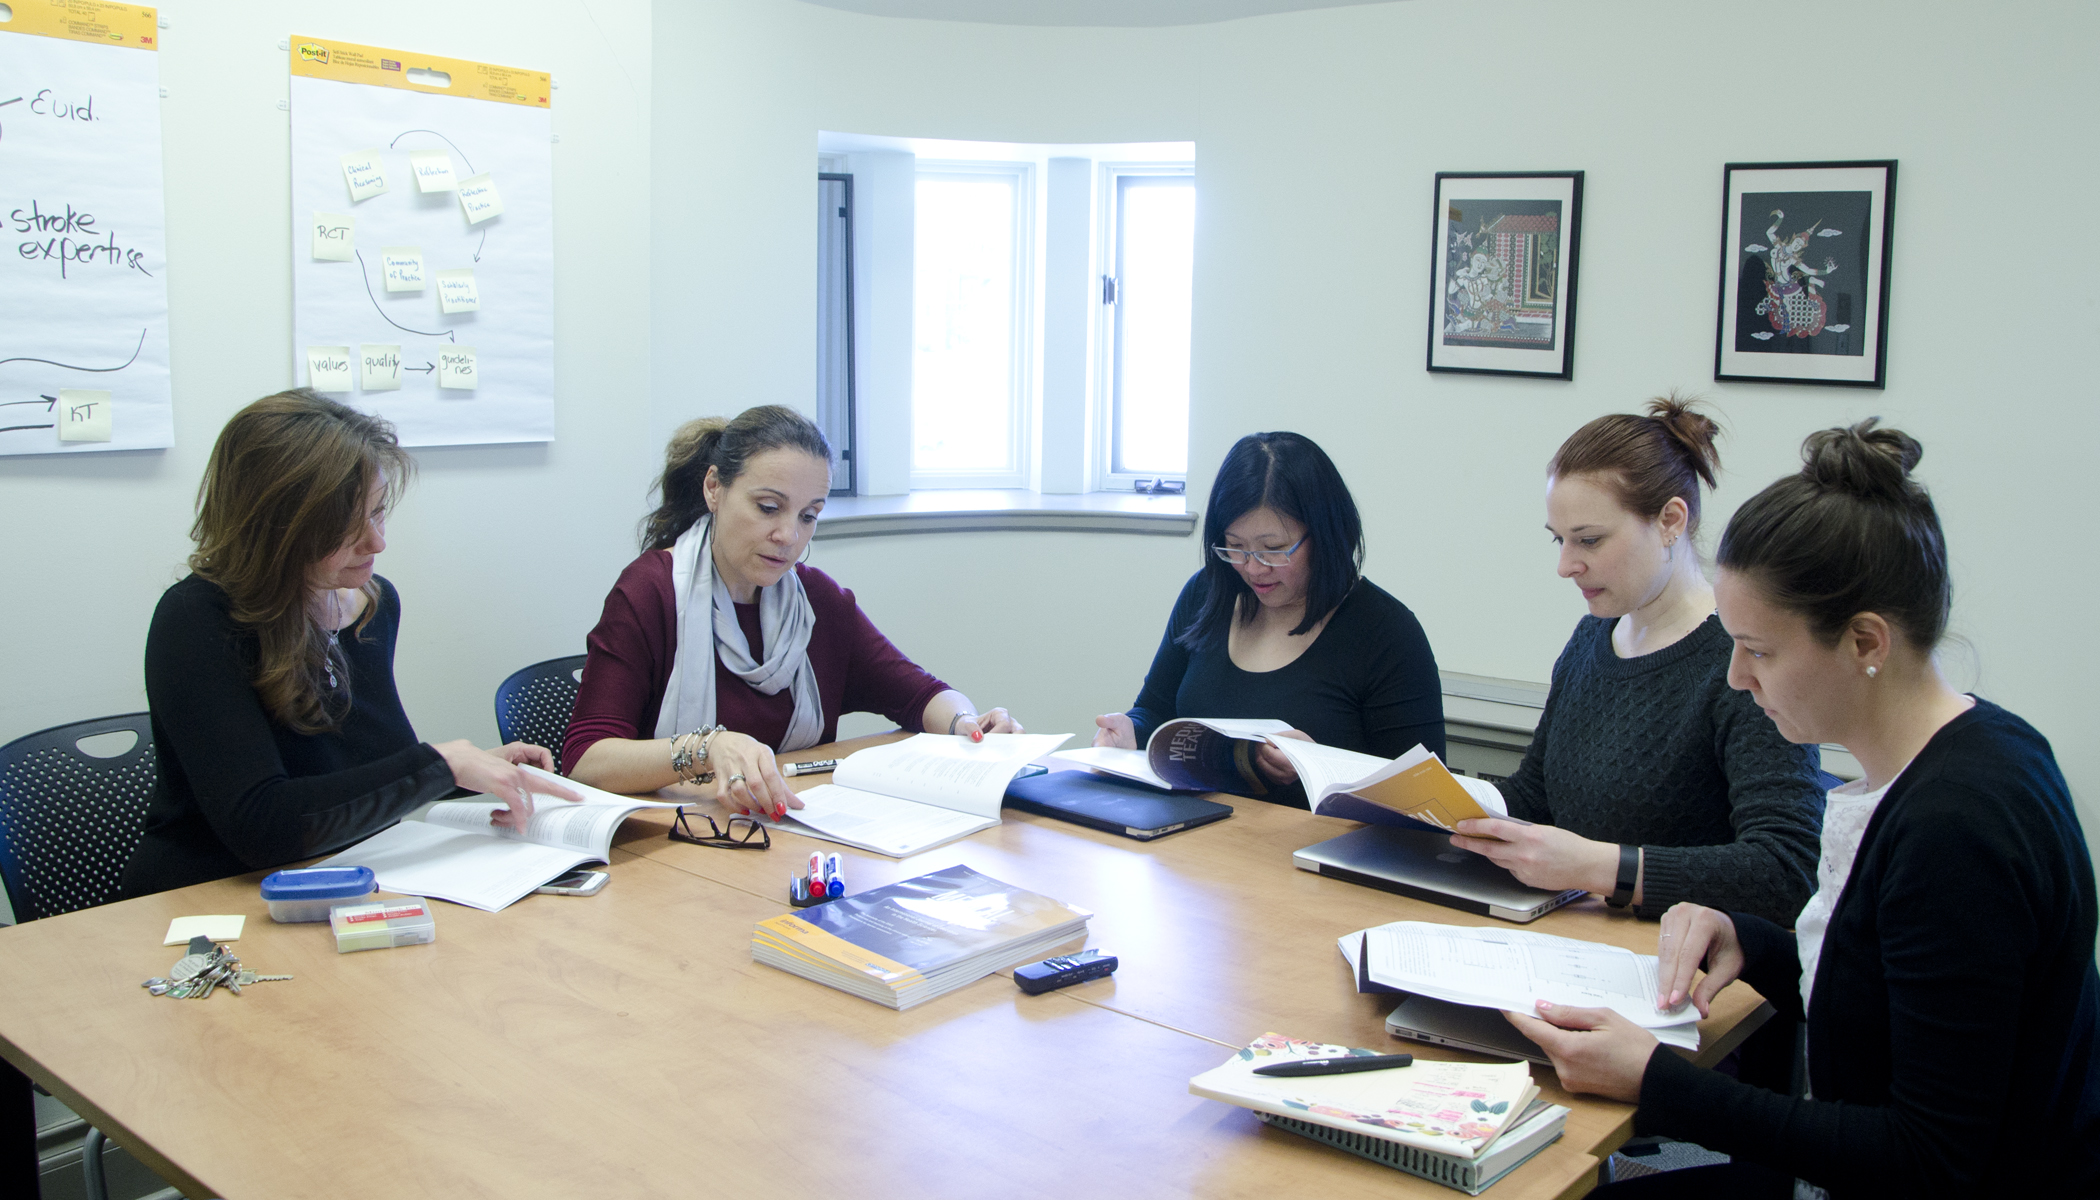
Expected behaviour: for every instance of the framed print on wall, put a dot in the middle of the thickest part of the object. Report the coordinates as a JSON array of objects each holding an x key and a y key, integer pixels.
[
  {"x": 1502, "y": 278},
  {"x": 1805, "y": 272}
]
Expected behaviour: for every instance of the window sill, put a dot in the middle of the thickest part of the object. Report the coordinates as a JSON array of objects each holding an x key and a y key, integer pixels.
[{"x": 988, "y": 510}]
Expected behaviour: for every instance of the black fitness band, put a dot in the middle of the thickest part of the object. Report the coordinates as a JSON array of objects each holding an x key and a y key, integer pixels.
[{"x": 1629, "y": 874}]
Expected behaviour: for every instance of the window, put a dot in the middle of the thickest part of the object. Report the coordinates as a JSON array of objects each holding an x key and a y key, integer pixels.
[
  {"x": 1020, "y": 314},
  {"x": 1146, "y": 306},
  {"x": 969, "y": 382}
]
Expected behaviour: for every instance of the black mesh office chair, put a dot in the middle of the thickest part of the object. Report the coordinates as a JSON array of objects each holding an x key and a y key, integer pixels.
[
  {"x": 70, "y": 817},
  {"x": 533, "y": 705}
]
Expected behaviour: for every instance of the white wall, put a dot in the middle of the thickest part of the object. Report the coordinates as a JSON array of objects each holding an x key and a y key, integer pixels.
[
  {"x": 502, "y": 554},
  {"x": 1318, "y": 135}
]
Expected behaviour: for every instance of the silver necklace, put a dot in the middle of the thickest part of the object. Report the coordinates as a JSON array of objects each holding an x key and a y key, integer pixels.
[{"x": 336, "y": 601}]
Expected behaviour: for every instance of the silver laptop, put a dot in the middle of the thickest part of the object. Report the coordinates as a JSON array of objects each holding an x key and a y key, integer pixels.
[
  {"x": 1481, "y": 1030},
  {"x": 1423, "y": 863}
]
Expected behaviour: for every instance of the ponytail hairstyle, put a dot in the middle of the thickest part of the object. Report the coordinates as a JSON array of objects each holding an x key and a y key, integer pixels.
[
  {"x": 1646, "y": 461},
  {"x": 727, "y": 445},
  {"x": 1289, "y": 473},
  {"x": 1851, "y": 533},
  {"x": 286, "y": 487}
]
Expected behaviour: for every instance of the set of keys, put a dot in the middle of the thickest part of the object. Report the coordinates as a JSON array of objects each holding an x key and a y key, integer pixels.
[{"x": 205, "y": 969}]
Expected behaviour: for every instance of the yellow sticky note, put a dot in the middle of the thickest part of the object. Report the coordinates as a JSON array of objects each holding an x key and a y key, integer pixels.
[
  {"x": 363, "y": 172},
  {"x": 328, "y": 368},
  {"x": 456, "y": 291},
  {"x": 83, "y": 415},
  {"x": 381, "y": 367},
  {"x": 478, "y": 197},
  {"x": 334, "y": 237},
  {"x": 403, "y": 267},
  {"x": 433, "y": 171},
  {"x": 218, "y": 929},
  {"x": 456, "y": 367}
]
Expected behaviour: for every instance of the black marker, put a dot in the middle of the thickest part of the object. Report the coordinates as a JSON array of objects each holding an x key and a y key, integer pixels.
[{"x": 1338, "y": 1066}]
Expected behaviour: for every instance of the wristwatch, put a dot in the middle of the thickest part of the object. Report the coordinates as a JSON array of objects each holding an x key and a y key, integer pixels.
[{"x": 1629, "y": 874}]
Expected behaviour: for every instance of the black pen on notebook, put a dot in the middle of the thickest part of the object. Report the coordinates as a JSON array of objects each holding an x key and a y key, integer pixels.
[
  {"x": 1341, "y": 1065},
  {"x": 809, "y": 768}
]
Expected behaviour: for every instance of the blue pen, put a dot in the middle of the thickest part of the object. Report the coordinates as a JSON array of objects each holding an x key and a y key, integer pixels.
[{"x": 834, "y": 876}]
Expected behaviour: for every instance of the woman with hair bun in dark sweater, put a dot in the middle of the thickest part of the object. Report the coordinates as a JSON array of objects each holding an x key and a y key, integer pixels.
[
  {"x": 1945, "y": 964},
  {"x": 1648, "y": 780}
]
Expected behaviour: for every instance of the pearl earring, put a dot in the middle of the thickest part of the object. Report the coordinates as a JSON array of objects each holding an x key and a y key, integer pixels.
[{"x": 1873, "y": 671}]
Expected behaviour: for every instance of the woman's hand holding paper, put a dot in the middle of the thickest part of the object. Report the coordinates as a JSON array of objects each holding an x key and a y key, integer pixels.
[
  {"x": 1594, "y": 1050},
  {"x": 1692, "y": 937},
  {"x": 746, "y": 777}
]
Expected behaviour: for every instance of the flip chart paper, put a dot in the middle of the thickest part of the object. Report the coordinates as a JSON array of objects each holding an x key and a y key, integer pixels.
[
  {"x": 403, "y": 266},
  {"x": 433, "y": 170},
  {"x": 335, "y": 237},
  {"x": 364, "y": 173},
  {"x": 83, "y": 415},
  {"x": 328, "y": 368},
  {"x": 456, "y": 291},
  {"x": 457, "y": 368},
  {"x": 83, "y": 288},
  {"x": 478, "y": 197},
  {"x": 380, "y": 367}
]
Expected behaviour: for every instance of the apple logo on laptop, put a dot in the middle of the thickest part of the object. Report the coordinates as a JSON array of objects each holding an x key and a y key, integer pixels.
[{"x": 1452, "y": 856}]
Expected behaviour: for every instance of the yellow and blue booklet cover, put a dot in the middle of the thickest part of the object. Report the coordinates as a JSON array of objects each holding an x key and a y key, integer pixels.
[{"x": 909, "y": 942}]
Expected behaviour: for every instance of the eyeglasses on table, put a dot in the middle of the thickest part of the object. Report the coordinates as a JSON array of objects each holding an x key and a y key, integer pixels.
[{"x": 754, "y": 836}]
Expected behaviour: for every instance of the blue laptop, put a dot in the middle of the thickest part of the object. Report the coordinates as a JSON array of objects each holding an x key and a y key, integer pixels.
[{"x": 1125, "y": 808}]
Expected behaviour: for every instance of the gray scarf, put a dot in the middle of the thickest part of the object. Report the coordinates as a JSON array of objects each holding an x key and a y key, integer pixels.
[{"x": 707, "y": 617}]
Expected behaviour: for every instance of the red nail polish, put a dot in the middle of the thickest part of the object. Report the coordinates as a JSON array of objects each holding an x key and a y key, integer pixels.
[{"x": 977, "y": 735}]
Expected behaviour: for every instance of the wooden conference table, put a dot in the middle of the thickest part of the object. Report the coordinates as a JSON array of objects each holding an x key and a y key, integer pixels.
[{"x": 627, "y": 1045}]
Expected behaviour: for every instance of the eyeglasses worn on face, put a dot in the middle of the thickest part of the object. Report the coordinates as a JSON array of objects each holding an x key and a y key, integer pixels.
[
  {"x": 1267, "y": 558},
  {"x": 753, "y": 837}
]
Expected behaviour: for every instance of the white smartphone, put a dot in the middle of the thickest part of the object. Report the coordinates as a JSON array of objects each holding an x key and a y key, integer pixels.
[{"x": 576, "y": 883}]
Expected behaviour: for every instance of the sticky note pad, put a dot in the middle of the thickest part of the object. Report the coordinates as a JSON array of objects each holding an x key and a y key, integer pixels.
[
  {"x": 381, "y": 367},
  {"x": 328, "y": 368},
  {"x": 456, "y": 291},
  {"x": 456, "y": 367},
  {"x": 478, "y": 197},
  {"x": 433, "y": 171},
  {"x": 365, "y": 176},
  {"x": 334, "y": 239},
  {"x": 403, "y": 267},
  {"x": 83, "y": 415},
  {"x": 218, "y": 929}
]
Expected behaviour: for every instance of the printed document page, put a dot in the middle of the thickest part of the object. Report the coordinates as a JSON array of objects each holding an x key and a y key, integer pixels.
[
  {"x": 949, "y": 772},
  {"x": 1416, "y": 784},
  {"x": 1511, "y": 969},
  {"x": 420, "y": 858},
  {"x": 873, "y": 821},
  {"x": 1130, "y": 764}
]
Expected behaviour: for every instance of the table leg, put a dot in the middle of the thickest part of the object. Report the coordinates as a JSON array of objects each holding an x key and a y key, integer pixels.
[{"x": 17, "y": 1133}]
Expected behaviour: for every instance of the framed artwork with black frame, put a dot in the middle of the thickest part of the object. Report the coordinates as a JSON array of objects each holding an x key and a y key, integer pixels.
[
  {"x": 1502, "y": 277},
  {"x": 1805, "y": 272}
]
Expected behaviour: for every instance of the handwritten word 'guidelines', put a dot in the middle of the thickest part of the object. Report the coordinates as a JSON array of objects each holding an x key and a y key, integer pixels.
[{"x": 70, "y": 238}]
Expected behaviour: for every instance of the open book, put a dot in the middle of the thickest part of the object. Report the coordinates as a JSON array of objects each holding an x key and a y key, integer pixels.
[
  {"x": 449, "y": 851},
  {"x": 1512, "y": 969},
  {"x": 1216, "y": 755},
  {"x": 916, "y": 794}
]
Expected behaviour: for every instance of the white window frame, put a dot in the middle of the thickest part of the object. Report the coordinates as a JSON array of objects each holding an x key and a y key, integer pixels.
[
  {"x": 1022, "y": 387},
  {"x": 1103, "y": 400}
]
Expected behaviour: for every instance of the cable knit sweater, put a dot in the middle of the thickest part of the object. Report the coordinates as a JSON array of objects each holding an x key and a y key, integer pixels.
[{"x": 1659, "y": 751}]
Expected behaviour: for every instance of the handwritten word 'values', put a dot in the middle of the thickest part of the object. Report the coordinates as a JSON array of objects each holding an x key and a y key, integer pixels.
[{"x": 71, "y": 237}]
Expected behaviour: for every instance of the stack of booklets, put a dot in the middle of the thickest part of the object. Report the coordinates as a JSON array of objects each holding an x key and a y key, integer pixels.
[
  {"x": 1213, "y": 754},
  {"x": 907, "y": 943},
  {"x": 1464, "y": 1125},
  {"x": 1513, "y": 969}
]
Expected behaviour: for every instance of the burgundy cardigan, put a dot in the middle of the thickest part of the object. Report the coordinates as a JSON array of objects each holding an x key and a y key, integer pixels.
[{"x": 858, "y": 670}]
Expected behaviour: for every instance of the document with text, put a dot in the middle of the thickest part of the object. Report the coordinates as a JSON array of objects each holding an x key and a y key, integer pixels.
[{"x": 916, "y": 794}]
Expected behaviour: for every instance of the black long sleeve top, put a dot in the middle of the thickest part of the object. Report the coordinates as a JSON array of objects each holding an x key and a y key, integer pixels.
[
  {"x": 1658, "y": 751},
  {"x": 238, "y": 791},
  {"x": 1368, "y": 683},
  {"x": 1955, "y": 1015}
]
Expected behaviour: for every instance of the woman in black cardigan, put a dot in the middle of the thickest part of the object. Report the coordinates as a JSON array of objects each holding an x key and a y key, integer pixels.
[{"x": 1946, "y": 962}]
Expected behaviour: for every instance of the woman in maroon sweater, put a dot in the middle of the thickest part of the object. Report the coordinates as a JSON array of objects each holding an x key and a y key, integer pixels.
[{"x": 785, "y": 649}]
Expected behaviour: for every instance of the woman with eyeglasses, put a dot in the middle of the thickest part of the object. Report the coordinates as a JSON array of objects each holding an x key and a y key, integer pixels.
[
  {"x": 270, "y": 667},
  {"x": 1280, "y": 623},
  {"x": 1648, "y": 779},
  {"x": 717, "y": 647}
]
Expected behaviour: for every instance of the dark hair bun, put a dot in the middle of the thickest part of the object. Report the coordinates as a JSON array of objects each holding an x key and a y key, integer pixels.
[
  {"x": 1692, "y": 430},
  {"x": 1864, "y": 461}
]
